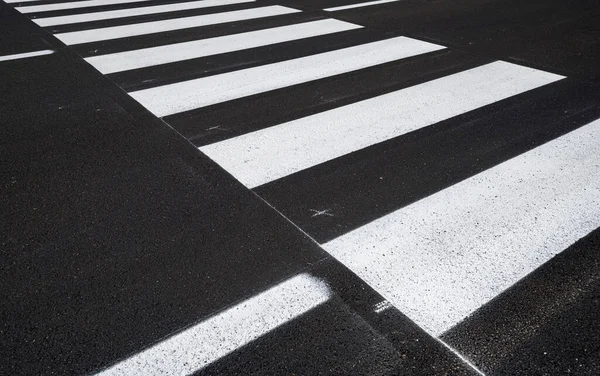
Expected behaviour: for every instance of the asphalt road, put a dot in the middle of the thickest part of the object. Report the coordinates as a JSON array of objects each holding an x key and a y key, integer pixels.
[{"x": 300, "y": 187}]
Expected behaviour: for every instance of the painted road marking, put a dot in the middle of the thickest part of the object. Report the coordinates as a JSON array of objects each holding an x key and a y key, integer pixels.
[
  {"x": 188, "y": 95},
  {"x": 265, "y": 155},
  {"x": 211, "y": 339},
  {"x": 112, "y": 14},
  {"x": 70, "y": 5},
  {"x": 146, "y": 57},
  {"x": 115, "y": 32},
  {"x": 25, "y": 55},
  {"x": 441, "y": 258},
  {"x": 359, "y": 5}
]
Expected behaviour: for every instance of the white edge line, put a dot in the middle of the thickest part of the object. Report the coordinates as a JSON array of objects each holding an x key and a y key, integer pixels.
[
  {"x": 460, "y": 356},
  {"x": 359, "y": 5},
  {"x": 26, "y": 55},
  {"x": 219, "y": 335}
]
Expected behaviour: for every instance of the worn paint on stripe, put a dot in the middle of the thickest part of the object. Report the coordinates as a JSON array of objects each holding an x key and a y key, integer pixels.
[
  {"x": 97, "y": 16},
  {"x": 265, "y": 155},
  {"x": 72, "y": 5},
  {"x": 146, "y": 57},
  {"x": 26, "y": 55},
  {"x": 441, "y": 258},
  {"x": 187, "y": 95},
  {"x": 359, "y": 5},
  {"x": 209, "y": 340},
  {"x": 115, "y": 32}
]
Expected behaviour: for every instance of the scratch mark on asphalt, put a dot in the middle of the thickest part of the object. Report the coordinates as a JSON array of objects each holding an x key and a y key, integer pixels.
[{"x": 321, "y": 212}]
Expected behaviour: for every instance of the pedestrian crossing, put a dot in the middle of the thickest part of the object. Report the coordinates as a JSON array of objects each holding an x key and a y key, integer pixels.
[
  {"x": 191, "y": 94},
  {"x": 122, "y": 61},
  {"x": 112, "y": 14},
  {"x": 482, "y": 235},
  {"x": 41, "y": 7},
  {"x": 439, "y": 177},
  {"x": 298, "y": 145},
  {"x": 153, "y": 27}
]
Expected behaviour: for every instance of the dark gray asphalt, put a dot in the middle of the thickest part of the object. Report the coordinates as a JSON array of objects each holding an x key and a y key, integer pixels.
[{"x": 118, "y": 234}]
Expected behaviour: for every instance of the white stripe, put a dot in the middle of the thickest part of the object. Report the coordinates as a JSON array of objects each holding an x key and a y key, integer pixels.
[
  {"x": 26, "y": 55},
  {"x": 187, "y": 95},
  {"x": 359, "y": 5},
  {"x": 200, "y": 48},
  {"x": 203, "y": 343},
  {"x": 62, "y": 20},
  {"x": 268, "y": 154},
  {"x": 441, "y": 258},
  {"x": 72, "y": 5},
  {"x": 144, "y": 28}
]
